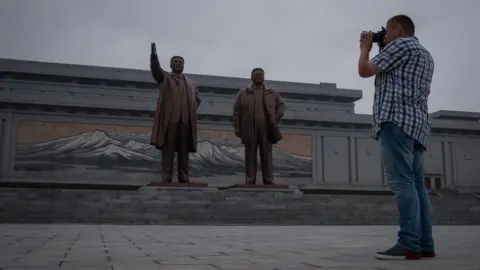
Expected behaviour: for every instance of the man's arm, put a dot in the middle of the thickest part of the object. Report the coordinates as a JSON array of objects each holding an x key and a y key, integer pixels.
[
  {"x": 279, "y": 106},
  {"x": 197, "y": 96},
  {"x": 393, "y": 55},
  {"x": 237, "y": 113}
]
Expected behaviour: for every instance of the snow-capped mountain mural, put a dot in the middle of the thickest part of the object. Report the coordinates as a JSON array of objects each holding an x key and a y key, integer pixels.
[{"x": 130, "y": 152}]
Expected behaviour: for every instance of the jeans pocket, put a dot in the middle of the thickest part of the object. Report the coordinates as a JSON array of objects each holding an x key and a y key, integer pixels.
[{"x": 387, "y": 127}]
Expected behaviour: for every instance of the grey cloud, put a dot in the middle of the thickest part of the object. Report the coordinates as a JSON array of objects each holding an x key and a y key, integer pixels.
[{"x": 307, "y": 40}]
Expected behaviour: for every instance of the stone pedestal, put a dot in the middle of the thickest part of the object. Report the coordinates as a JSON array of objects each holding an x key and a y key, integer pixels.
[
  {"x": 258, "y": 188},
  {"x": 155, "y": 186},
  {"x": 178, "y": 185},
  {"x": 274, "y": 186}
]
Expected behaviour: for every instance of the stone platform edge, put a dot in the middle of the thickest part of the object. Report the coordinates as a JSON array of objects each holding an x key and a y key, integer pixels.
[
  {"x": 305, "y": 189},
  {"x": 341, "y": 190}
]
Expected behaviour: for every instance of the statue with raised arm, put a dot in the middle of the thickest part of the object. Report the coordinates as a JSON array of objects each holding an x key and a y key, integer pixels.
[
  {"x": 256, "y": 112},
  {"x": 175, "y": 124}
]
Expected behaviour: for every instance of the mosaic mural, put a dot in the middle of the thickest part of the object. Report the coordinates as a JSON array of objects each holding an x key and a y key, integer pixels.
[{"x": 63, "y": 151}]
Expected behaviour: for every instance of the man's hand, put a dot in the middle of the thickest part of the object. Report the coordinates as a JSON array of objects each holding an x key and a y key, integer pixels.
[
  {"x": 366, "y": 41},
  {"x": 365, "y": 67},
  {"x": 153, "y": 54},
  {"x": 237, "y": 132}
]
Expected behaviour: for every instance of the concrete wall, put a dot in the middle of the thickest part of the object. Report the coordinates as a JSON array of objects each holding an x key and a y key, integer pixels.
[
  {"x": 454, "y": 159},
  {"x": 69, "y": 129},
  {"x": 138, "y": 100}
]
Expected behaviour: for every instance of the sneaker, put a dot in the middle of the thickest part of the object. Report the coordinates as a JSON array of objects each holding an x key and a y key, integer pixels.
[
  {"x": 428, "y": 254},
  {"x": 398, "y": 253}
]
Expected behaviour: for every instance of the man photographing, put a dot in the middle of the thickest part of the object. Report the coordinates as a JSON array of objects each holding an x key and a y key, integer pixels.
[{"x": 404, "y": 70}]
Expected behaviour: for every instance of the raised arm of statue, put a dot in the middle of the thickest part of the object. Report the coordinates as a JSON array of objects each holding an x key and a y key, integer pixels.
[{"x": 157, "y": 72}]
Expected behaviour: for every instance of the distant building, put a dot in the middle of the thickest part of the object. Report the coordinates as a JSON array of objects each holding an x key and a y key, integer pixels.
[{"x": 66, "y": 123}]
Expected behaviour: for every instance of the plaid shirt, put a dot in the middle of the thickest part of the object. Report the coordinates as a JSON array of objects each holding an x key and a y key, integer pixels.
[{"x": 402, "y": 88}]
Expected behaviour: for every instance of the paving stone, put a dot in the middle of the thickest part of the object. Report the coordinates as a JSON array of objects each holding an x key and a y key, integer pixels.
[
  {"x": 30, "y": 268},
  {"x": 118, "y": 247}
]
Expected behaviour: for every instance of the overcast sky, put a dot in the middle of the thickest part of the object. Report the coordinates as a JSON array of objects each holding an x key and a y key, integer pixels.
[{"x": 304, "y": 40}]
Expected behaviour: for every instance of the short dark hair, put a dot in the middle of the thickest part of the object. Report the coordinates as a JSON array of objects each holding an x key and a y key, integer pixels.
[
  {"x": 258, "y": 69},
  {"x": 177, "y": 56},
  {"x": 406, "y": 23}
]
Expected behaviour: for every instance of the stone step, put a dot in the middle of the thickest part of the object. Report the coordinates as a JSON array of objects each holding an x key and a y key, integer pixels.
[{"x": 151, "y": 205}]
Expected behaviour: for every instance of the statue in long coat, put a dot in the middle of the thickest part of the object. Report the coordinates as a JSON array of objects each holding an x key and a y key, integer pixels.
[
  {"x": 257, "y": 111},
  {"x": 175, "y": 125}
]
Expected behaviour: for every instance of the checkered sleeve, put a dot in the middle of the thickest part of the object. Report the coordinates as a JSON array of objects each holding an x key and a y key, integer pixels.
[{"x": 392, "y": 56}]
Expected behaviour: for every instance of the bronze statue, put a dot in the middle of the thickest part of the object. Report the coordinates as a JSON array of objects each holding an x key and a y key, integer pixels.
[
  {"x": 175, "y": 125},
  {"x": 256, "y": 112}
]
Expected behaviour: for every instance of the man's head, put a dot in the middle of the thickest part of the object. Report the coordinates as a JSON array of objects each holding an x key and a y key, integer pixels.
[
  {"x": 257, "y": 76},
  {"x": 399, "y": 26},
  {"x": 177, "y": 64}
]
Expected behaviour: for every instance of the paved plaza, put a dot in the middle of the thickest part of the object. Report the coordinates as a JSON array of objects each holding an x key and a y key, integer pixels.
[{"x": 117, "y": 247}]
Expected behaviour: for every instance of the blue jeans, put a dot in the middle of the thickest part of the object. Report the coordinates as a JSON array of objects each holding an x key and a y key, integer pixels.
[{"x": 403, "y": 165}]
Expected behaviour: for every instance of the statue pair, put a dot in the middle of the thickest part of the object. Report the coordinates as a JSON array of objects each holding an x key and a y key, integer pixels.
[{"x": 256, "y": 112}]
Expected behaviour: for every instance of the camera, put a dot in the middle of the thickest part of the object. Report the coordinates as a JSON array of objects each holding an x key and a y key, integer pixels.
[{"x": 379, "y": 38}]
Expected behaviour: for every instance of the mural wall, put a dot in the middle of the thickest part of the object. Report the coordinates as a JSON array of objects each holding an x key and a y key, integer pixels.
[{"x": 92, "y": 152}]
